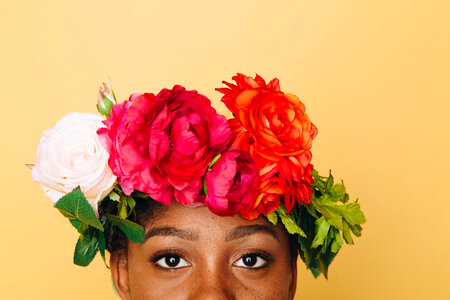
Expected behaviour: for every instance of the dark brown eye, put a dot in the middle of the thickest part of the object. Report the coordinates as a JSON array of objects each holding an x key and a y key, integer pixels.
[
  {"x": 172, "y": 261},
  {"x": 251, "y": 261}
]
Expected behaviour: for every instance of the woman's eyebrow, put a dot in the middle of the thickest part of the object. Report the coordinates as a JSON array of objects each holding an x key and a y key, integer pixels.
[
  {"x": 244, "y": 231},
  {"x": 171, "y": 231}
]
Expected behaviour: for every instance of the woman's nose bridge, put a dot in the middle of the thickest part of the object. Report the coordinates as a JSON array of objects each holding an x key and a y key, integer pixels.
[{"x": 213, "y": 280}]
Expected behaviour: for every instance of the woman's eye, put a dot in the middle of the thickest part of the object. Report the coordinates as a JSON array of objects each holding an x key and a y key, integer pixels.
[
  {"x": 172, "y": 261},
  {"x": 251, "y": 261}
]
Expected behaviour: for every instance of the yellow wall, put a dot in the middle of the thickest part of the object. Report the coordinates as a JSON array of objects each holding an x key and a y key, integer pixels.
[{"x": 375, "y": 76}]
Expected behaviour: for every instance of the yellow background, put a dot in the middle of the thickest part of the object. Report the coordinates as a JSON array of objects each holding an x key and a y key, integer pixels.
[{"x": 375, "y": 76}]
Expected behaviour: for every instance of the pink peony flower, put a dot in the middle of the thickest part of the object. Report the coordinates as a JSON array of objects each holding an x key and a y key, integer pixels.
[
  {"x": 162, "y": 145},
  {"x": 232, "y": 183}
]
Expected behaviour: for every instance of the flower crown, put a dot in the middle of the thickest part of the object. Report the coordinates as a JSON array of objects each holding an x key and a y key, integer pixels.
[{"x": 175, "y": 146}]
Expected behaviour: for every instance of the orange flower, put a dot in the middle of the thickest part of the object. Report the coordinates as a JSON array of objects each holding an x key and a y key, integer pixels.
[
  {"x": 275, "y": 129},
  {"x": 277, "y": 122}
]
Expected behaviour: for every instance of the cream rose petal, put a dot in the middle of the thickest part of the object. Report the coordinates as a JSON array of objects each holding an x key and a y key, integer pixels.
[{"x": 70, "y": 155}]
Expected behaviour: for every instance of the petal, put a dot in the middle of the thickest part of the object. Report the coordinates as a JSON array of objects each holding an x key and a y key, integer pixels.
[
  {"x": 186, "y": 196},
  {"x": 158, "y": 146},
  {"x": 245, "y": 98}
]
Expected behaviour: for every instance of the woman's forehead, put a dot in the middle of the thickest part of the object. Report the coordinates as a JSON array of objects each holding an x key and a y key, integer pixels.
[
  {"x": 176, "y": 213},
  {"x": 194, "y": 222}
]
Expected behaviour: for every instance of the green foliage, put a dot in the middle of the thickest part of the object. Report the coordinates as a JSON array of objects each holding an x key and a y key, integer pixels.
[
  {"x": 133, "y": 231},
  {"x": 114, "y": 196},
  {"x": 327, "y": 223},
  {"x": 81, "y": 215},
  {"x": 114, "y": 211},
  {"x": 272, "y": 217},
  {"x": 75, "y": 206},
  {"x": 322, "y": 228},
  {"x": 86, "y": 248},
  {"x": 102, "y": 246},
  {"x": 77, "y": 224},
  {"x": 125, "y": 205},
  {"x": 289, "y": 221}
]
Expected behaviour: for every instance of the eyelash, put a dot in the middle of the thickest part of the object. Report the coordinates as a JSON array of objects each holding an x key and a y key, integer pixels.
[
  {"x": 165, "y": 254},
  {"x": 260, "y": 254}
]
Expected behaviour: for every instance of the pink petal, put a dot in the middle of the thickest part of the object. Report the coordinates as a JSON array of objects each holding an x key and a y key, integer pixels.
[{"x": 186, "y": 196}]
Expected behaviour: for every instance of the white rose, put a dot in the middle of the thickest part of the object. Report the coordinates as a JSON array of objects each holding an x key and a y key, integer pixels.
[{"x": 70, "y": 155}]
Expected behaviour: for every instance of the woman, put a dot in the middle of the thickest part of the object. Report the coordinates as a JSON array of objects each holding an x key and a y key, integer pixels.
[
  {"x": 190, "y": 253},
  {"x": 223, "y": 207}
]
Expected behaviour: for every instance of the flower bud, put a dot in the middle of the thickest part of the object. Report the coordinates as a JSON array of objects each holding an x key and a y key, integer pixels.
[{"x": 105, "y": 99}]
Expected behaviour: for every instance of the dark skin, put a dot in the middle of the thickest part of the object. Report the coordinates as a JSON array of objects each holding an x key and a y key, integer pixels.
[{"x": 191, "y": 253}]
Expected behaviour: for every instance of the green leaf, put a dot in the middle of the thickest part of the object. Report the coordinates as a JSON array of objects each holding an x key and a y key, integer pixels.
[
  {"x": 333, "y": 218},
  {"x": 304, "y": 249},
  {"x": 315, "y": 271},
  {"x": 316, "y": 176},
  {"x": 84, "y": 229},
  {"x": 126, "y": 204},
  {"x": 328, "y": 241},
  {"x": 337, "y": 242},
  {"x": 133, "y": 231},
  {"x": 346, "y": 234},
  {"x": 319, "y": 183},
  {"x": 311, "y": 210},
  {"x": 205, "y": 187},
  {"x": 329, "y": 182},
  {"x": 131, "y": 204},
  {"x": 323, "y": 220},
  {"x": 114, "y": 196},
  {"x": 339, "y": 189},
  {"x": 272, "y": 217},
  {"x": 289, "y": 222},
  {"x": 85, "y": 251},
  {"x": 102, "y": 246},
  {"x": 75, "y": 206},
  {"x": 306, "y": 223},
  {"x": 76, "y": 223},
  {"x": 122, "y": 208},
  {"x": 322, "y": 210},
  {"x": 356, "y": 229},
  {"x": 322, "y": 227},
  {"x": 345, "y": 199},
  {"x": 214, "y": 160},
  {"x": 351, "y": 212},
  {"x": 141, "y": 195},
  {"x": 325, "y": 261},
  {"x": 112, "y": 92}
]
